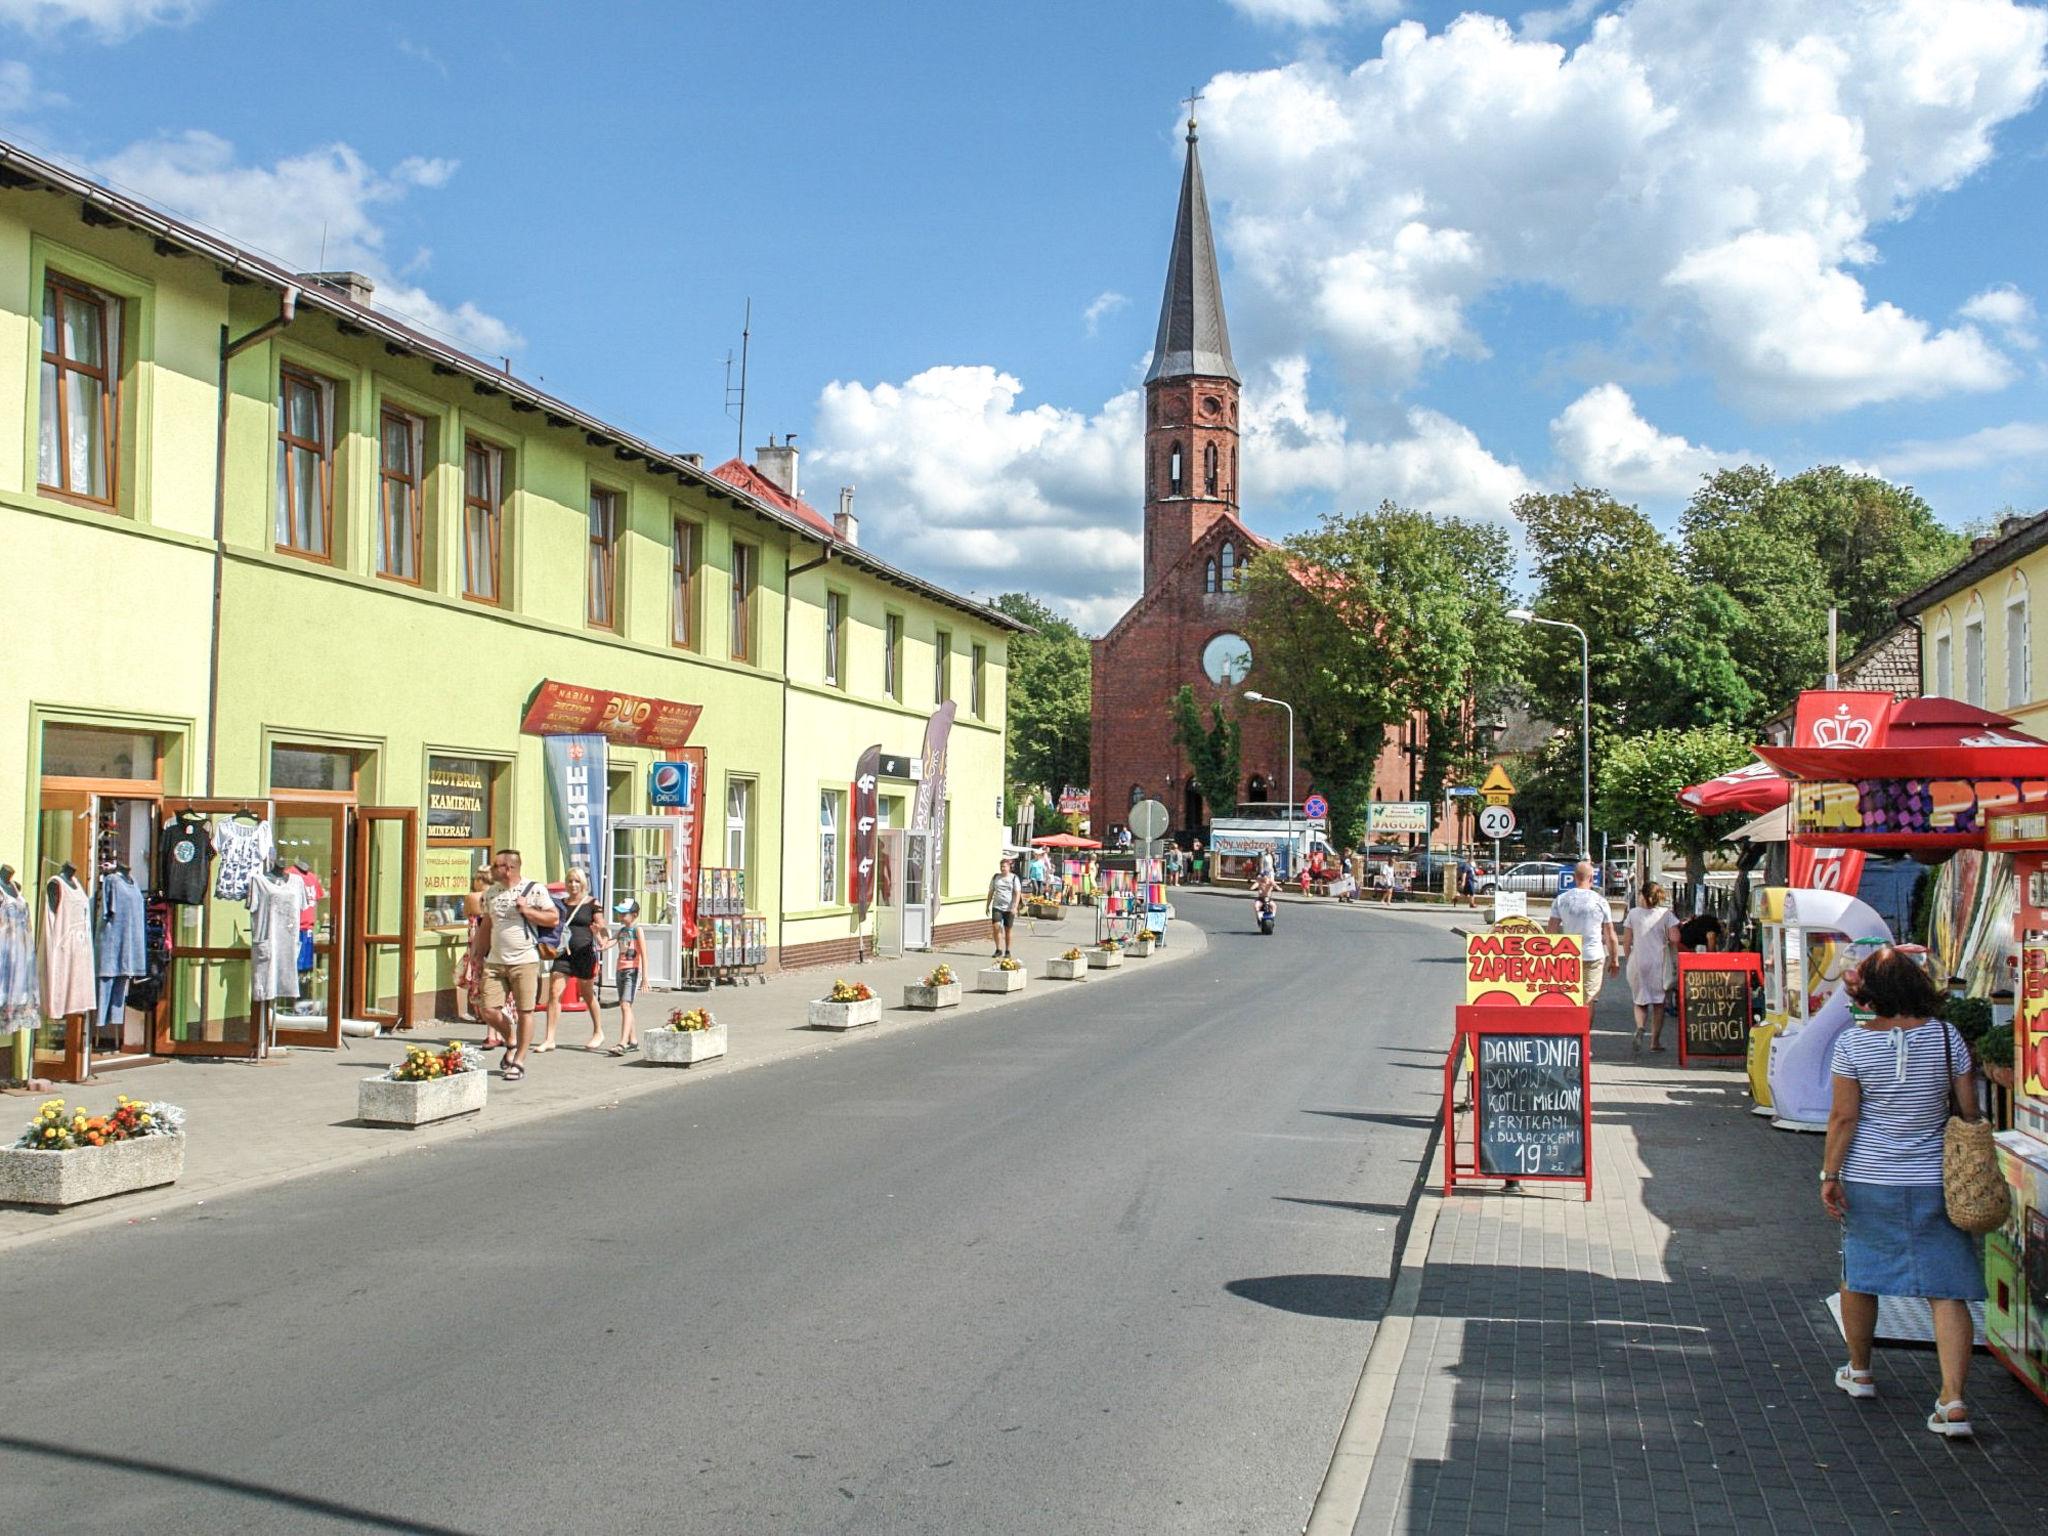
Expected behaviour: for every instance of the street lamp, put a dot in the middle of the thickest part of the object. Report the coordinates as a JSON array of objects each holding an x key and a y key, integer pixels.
[
  {"x": 1524, "y": 616},
  {"x": 1260, "y": 698}
]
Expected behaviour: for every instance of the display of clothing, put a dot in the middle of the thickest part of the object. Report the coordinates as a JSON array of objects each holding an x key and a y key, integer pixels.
[
  {"x": 67, "y": 968},
  {"x": 244, "y": 846},
  {"x": 182, "y": 854},
  {"x": 20, "y": 991},
  {"x": 118, "y": 928},
  {"x": 309, "y": 920},
  {"x": 274, "y": 905}
]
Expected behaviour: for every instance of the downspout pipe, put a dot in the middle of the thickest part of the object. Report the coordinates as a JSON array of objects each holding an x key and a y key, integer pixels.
[
  {"x": 287, "y": 308},
  {"x": 789, "y": 576}
]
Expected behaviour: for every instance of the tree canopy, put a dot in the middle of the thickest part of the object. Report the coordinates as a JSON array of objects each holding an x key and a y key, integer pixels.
[
  {"x": 1640, "y": 778},
  {"x": 1046, "y": 739},
  {"x": 1211, "y": 750}
]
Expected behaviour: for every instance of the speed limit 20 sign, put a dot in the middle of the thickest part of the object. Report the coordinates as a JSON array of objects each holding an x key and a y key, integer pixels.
[{"x": 1497, "y": 821}]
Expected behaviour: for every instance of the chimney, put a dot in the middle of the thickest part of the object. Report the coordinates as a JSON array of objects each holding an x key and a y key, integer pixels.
[
  {"x": 694, "y": 460},
  {"x": 778, "y": 462},
  {"x": 846, "y": 525},
  {"x": 352, "y": 286}
]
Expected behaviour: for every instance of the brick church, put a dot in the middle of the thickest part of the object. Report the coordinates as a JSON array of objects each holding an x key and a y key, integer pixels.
[{"x": 1184, "y": 627}]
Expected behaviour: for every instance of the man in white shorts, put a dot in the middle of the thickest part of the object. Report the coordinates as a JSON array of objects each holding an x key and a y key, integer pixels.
[{"x": 1582, "y": 911}]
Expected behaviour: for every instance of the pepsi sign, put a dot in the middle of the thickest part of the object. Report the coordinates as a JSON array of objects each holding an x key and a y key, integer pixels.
[{"x": 670, "y": 784}]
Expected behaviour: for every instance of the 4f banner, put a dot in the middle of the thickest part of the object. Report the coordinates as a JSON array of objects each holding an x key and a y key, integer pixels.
[
  {"x": 866, "y": 812},
  {"x": 576, "y": 794}
]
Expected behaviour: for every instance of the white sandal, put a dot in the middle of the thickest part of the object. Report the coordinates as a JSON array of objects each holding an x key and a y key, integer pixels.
[
  {"x": 1856, "y": 1383},
  {"x": 1955, "y": 1429}
]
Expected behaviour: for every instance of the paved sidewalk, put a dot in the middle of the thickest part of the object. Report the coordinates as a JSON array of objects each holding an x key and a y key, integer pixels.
[
  {"x": 1661, "y": 1359},
  {"x": 258, "y": 1123}
]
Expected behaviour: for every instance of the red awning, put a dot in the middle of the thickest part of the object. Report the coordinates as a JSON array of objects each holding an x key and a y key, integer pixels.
[
  {"x": 1925, "y": 739},
  {"x": 1064, "y": 840},
  {"x": 1751, "y": 789}
]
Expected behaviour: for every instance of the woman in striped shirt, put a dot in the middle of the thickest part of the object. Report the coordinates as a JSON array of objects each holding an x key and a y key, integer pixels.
[{"x": 1881, "y": 1174}]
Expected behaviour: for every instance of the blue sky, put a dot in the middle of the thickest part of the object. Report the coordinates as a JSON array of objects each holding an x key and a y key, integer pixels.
[{"x": 1464, "y": 258}]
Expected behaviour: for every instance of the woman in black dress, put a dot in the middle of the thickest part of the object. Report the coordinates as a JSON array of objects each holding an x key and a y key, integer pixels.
[{"x": 584, "y": 933}]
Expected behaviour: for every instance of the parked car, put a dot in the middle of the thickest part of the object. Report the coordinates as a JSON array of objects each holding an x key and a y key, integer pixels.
[{"x": 1537, "y": 877}]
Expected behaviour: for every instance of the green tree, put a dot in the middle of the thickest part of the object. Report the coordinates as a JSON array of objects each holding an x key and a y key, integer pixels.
[
  {"x": 1211, "y": 750},
  {"x": 1356, "y": 624},
  {"x": 1640, "y": 779},
  {"x": 1045, "y": 743}
]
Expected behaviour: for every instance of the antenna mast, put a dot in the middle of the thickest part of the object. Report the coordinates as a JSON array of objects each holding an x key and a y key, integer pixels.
[{"x": 746, "y": 342}]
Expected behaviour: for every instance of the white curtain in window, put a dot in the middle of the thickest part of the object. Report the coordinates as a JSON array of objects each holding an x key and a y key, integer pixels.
[
  {"x": 738, "y": 810},
  {"x": 828, "y": 848},
  {"x": 1944, "y": 668},
  {"x": 1973, "y": 661},
  {"x": 2017, "y": 680}
]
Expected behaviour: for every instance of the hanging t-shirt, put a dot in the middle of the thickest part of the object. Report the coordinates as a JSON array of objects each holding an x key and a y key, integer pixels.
[
  {"x": 315, "y": 894},
  {"x": 244, "y": 848},
  {"x": 182, "y": 855}
]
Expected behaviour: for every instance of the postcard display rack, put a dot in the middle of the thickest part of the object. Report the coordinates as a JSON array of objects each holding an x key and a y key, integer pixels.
[
  {"x": 1131, "y": 901},
  {"x": 732, "y": 943}
]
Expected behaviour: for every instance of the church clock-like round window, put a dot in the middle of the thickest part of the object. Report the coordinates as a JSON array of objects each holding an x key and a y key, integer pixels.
[{"x": 1227, "y": 660}]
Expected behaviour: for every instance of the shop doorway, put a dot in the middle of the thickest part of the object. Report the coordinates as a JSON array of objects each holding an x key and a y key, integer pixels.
[
  {"x": 917, "y": 876},
  {"x": 383, "y": 900}
]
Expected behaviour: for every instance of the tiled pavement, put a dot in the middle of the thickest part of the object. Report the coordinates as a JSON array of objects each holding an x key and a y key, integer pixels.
[{"x": 1660, "y": 1360}]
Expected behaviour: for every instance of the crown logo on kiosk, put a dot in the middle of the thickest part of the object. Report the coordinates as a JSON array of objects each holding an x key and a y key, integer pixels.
[{"x": 1841, "y": 731}]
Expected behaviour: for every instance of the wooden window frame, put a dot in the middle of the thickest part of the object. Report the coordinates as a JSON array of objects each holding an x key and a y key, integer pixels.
[
  {"x": 603, "y": 554},
  {"x": 685, "y": 563},
  {"x": 746, "y": 580},
  {"x": 413, "y": 485},
  {"x": 108, "y": 375},
  {"x": 324, "y": 390},
  {"x": 494, "y": 513}
]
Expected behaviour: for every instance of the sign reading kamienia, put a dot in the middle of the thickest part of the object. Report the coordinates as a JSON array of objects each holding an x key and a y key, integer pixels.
[
  {"x": 1715, "y": 1006},
  {"x": 1530, "y": 1097}
]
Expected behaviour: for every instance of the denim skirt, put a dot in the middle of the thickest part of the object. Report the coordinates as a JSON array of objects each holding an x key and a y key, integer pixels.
[{"x": 1897, "y": 1240}]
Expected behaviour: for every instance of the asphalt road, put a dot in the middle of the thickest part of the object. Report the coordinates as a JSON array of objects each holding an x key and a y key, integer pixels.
[{"x": 1106, "y": 1260}]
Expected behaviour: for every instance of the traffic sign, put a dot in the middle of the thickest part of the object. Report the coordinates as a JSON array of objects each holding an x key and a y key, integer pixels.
[
  {"x": 1147, "y": 820},
  {"x": 1497, "y": 821},
  {"x": 1315, "y": 808},
  {"x": 1498, "y": 789}
]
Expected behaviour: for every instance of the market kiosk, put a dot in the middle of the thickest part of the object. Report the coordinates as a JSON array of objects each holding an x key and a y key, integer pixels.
[{"x": 1810, "y": 939}]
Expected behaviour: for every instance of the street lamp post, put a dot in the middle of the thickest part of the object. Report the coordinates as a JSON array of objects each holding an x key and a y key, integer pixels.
[
  {"x": 1260, "y": 698},
  {"x": 1524, "y": 616}
]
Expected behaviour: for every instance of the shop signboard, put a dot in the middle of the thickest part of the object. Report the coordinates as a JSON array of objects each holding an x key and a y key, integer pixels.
[
  {"x": 1073, "y": 802},
  {"x": 445, "y": 872},
  {"x": 1531, "y": 1096},
  {"x": 2030, "y": 1042},
  {"x": 1515, "y": 963},
  {"x": 576, "y": 795},
  {"x": 1397, "y": 818},
  {"x": 1716, "y": 1006},
  {"x": 456, "y": 796},
  {"x": 567, "y": 709},
  {"x": 670, "y": 785},
  {"x": 1912, "y": 812}
]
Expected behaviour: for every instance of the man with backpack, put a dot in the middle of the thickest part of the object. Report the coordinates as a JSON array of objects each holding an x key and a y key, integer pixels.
[{"x": 516, "y": 912}]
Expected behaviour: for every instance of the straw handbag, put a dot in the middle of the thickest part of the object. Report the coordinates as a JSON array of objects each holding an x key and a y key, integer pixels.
[{"x": 1977, "y": 1197}]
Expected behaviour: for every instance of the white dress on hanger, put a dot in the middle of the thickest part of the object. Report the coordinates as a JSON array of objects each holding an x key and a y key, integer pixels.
[{"x": 274, "y": 907}]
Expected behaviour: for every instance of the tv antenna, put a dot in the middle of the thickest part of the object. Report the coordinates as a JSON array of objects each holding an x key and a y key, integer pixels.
[{"x": 736, "y": 396}]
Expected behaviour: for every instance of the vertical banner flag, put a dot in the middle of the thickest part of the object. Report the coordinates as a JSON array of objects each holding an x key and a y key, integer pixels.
[
  {"x": 688, "y": 846},
  {"x": 867, "y": 775},
  {"x": 1841, "y": 718},
  {"x": 576, "y": 793},
  {"x": 931, "y": 801}
]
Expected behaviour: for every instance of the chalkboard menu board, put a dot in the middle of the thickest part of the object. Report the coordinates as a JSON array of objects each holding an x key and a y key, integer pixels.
[
  {"x": 1531, "y": 1101},
  {"x": 1716, "y": 1006}
]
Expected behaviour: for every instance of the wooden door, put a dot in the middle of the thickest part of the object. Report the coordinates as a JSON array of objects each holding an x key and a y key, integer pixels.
[
  {"x": 206, "y": 1009},
  {"x": 383, "y": 904},
  {"x": 311, "y": 836}
]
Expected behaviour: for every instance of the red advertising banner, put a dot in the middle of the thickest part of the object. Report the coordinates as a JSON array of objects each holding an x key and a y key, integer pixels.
[
  {"x": 1838, "y": 718},
  {"x": 568, "y": 709},
  {"x": 689, "y": 843}
]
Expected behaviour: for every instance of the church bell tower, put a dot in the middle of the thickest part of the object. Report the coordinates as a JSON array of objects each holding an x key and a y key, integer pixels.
[{"x": 1191, "y": 391}]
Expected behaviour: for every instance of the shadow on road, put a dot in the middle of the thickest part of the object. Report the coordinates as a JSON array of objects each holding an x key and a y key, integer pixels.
[{"x": 1354, "y": 1298}]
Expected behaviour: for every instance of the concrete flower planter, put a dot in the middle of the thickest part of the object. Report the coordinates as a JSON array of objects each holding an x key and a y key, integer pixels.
[
  {"x": 1105, "y": 959},
  {"x": 918, "y": 995},
  {"x": 830, "y": 1015},
  {"x": 995, "y": 979},
  {"x": 680, "y": 1047},
  {"x": 383, "y": 1100},
  {"x": 1139, "y": 949},
  {"x": 90, "y": 1173},
  {"x": 1060, "y": 969}
]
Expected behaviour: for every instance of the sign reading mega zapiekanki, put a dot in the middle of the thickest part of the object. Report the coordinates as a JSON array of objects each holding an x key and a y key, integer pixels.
[{"x": 1521, "y": 964}]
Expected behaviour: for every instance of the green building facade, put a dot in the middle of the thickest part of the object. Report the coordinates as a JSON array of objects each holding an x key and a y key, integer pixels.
[{"x": 400, "y": 545}]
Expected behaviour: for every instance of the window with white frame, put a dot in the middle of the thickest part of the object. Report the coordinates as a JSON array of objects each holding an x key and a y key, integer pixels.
[
  {"x": 739, "y": 822},
  {"x": 2018, "y": 668},
  {"x": 1973, "y": 658},
  {"x": 835, "y": 637},
  {"x": 892, "y": 655},
  {"x": 1944, "y": 660},
  {"x": 830, "y": 806}
]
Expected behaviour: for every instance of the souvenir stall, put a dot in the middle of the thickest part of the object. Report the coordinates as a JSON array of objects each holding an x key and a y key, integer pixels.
[
  {"x": 1133, "y": 898},
  {"x": 732, "y": 943}
]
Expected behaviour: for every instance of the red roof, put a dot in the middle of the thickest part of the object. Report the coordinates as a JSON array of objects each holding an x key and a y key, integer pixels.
[{"x": 738, "y": 472}]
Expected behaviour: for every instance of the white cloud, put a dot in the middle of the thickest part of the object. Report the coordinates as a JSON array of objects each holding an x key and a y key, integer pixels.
[
  {"x": 20, "y": 96},
  {"x": 1602, "y": 440},
  {"x": 1988, "y": 445},
  {"x": 1547, "y": 24},
  {"x": 959, "y": 480},
  {"x": 1713, "y": 169},
  {"x": 2006, "y": 308},
  {"x": 319, "y": 210},
  {"x": 1315, "y": 13},
  {"x": 1100, "y": 307},
  {"x": 109, "y": 19}
]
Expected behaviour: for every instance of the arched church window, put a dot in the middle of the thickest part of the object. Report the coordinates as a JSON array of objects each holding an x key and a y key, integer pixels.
[
  {"x": 1228, "y": 567},
  {"x": 1174, "y": 475},
  {"x": 1209, "y": 469},
  {"x": 1209, "y": 575},
  {"x": 1256, "y": 790}
]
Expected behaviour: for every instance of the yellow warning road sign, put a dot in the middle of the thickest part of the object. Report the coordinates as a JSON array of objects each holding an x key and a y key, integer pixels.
[{"x": 1498, "y": 788}]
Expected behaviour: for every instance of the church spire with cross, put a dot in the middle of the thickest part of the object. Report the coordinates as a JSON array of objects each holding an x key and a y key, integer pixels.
[{"x": 1191, "y": 389}]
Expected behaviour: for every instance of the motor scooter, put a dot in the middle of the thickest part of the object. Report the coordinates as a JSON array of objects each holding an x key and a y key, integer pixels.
[{"x": 1265, "y": 910}]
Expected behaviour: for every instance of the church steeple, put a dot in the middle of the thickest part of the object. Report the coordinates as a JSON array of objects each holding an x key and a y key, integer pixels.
[
  {"x": 1191, "y": 391},
  {"x": 1193, "y": 337}
]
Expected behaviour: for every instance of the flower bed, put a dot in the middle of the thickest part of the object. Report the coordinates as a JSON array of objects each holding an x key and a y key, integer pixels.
[
  {"x": 849, "y": 1005},
  {"x": 939, "y": 989},
  {"x": 689, "y": 1036},
  {"x": 424, "y": 1087},
  {"x": 1006, "y": 975},
  {"x": 66, "y": 1157}
]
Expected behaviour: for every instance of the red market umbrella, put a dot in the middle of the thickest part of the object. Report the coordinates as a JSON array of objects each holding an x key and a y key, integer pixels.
[
  {"x": 1752, "y": 789},
  {"x": 1064, "y": 840},
  {"x": 1925, "y": 739}
]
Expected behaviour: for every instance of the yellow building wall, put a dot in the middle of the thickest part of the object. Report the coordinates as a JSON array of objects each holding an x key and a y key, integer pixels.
[{"x": 2014, "y": 585}]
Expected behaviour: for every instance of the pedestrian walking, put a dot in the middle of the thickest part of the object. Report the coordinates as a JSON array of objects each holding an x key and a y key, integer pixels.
[
  {"x": 631, "y": 962},
  {"x": 584, "y": 931},
  {"x": 1198, "y": 863},
  {"x": 1581, "y": 910},
  {"x": 1895, "y": 1074},
  {"x": 1468, "y": 883},
  {"x": 1383, "y": 882},
  {"x": 469, "y": 970},
  {"x": 1002, "y": 906},
  {"x": 1649, "y": 938},
  {"x": 515, "y": 910}
]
